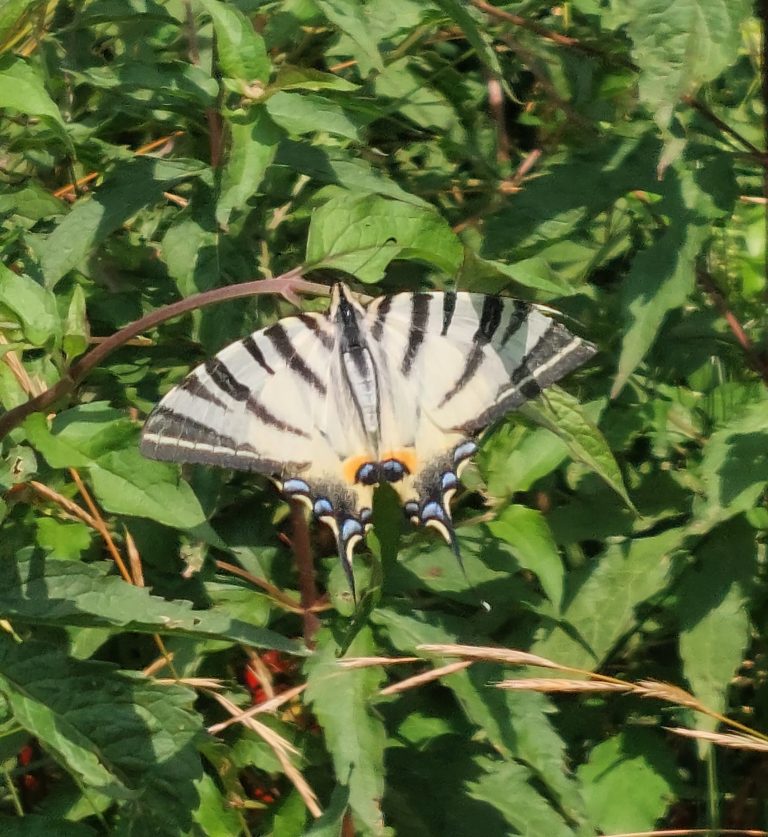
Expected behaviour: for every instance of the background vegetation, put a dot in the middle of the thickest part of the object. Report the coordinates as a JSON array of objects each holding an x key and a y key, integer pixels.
[{"x": 606, "y": 158}]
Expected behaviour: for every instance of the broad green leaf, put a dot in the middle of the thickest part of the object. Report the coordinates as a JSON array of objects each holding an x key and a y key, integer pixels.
[
  {"x": 309, "y": 114},
  {"x": 601, "y": 608},
  {"x": 253, "y": 144},
  {"x": 571, "y": 193},
  {"x": 680, "y": 46},
  {"x": 515, "y": 723},
  {"x": 362, "y": 235},
  {"x": 308, "y": 78},
  {"x": 115, "y": 731},
  {"x": 507, "y": 786},
  {"x": 529, "y": 536},
  {"x": 75, "y": 326},
  {"x": 354, "y": 735},
  {"x": 566, "y": 418},
  {"x": 63, "y": 593},
  {"x": 129, "y": 187},
  {"x": 334, "y": 166},
  {"x": 663, "y": 274},
  {"x": 62, "y": 539},
  {"x": 81, "y": 434},
  {"x": 214, "y": 815},
  {"x": 629, "y": 781},
  {"x": 22, "y": 90},
  {"x": 124, "y": 482},
  {"x": 513, "y": 459},
  {"x": 404, "y": 87},
  {"x": 734, "y": 468},
  {"x": 350, "y": 17},
  {"x": 31, "y": 305},
  {"x": 240, "y": 49},
  {"x": 715, "y": 628}
]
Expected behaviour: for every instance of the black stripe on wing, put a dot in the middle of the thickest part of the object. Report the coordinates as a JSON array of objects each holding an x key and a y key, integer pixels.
[
  {"x": 174, "y": 437},
  {"x": 224, "y": 379},
  {"x": 490, "y": 319},
  {"x": 518, "y": 316},
  {"x": 419, "y": 318},
  {"x": 557, "y": 353},
  {"x": 381, "y": 315},
  {"x": 250, "y": 345},
  {"x": 278, "y": 337},
  {"x": 313, "y": 324}
]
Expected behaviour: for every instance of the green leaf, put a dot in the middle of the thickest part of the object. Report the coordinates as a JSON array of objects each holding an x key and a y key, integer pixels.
[
  {"x": 664, "y": 274},
  {"x": 307, "y": 114},
  {"x": 80, "y": 435},
  {"x": 361, "y": 235},
  {"x": 130, "y": 186},
  {"x": 629, "y": 781},
  {"x": 65, "y": 593},
  {"x": 350, "y": 16},
  {"x": 527, "y": 532},
  {"x": 734, "y": 468},
  {"x": 565, "y": 417},
  {"x": 62, "y": 540},
  {"x": 240, "y": 49},
  {"x": 601, "y": 608},
  {"x": 506, "y": 786},
  {"x": 354, "y": 736},
  {"x": 515, "y": 723},
  {"x": 22, "y": 90},
  {"x": 32, "y": 306},
  {"x": 308, "y": 78},
  {"x": 124, "y": 482},
  {"x": 715, "y": 628},
  {"x": 75, "y": 326},
  {"x": 338, "y": 167},
  {"x": 115, "y": 731},
  {"x": 680, "y": 46},
  {"x": 512, "y": 458},
  {"x": 253, "y": 145}
]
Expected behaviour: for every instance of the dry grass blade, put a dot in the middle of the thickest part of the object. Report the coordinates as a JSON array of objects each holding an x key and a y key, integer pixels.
[
  {"x": 192, "y": 682},
  {"x": 281, "y": 749},
  {"x": 267, "y": 706},
  {"x": 724, "y": 739},
  {"x": 425, "y": 677},
  {"x": 365, "y": 662},
  {"x": 668, "y": 692},
  {"x": 551, "y": 684},
  {"x": 500, "y": 655}
]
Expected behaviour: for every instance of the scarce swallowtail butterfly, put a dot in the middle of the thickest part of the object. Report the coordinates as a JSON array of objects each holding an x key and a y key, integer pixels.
[{"x": 331, "y": 405}]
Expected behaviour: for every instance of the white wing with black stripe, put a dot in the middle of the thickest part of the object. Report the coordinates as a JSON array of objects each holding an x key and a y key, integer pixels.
[{"x": 331, "y": 405}]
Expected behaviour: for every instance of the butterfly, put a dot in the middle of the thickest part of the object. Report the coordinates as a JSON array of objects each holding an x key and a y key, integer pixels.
[{"x": 331, "y": 405}]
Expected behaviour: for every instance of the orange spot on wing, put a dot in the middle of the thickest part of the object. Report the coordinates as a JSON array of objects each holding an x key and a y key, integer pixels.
[{"x": 351, "y": 466}]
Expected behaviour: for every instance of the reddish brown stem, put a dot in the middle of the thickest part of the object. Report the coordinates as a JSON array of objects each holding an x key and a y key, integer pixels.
[
  {"x": 302, "y": 551},
  {"x": 287, "y": 284},
  {"x": 754, "y": 358}
]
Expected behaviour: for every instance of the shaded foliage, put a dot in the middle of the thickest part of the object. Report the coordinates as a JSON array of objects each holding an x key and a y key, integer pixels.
[{"x": 602, "y": 159}]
